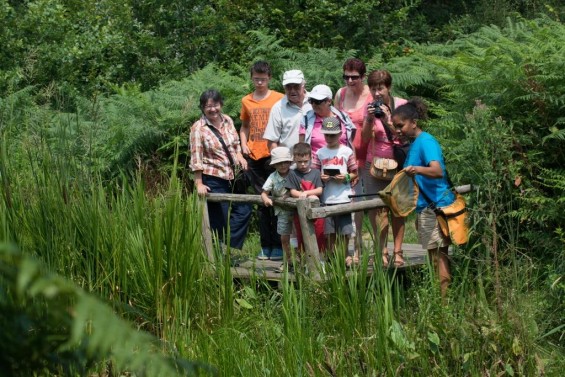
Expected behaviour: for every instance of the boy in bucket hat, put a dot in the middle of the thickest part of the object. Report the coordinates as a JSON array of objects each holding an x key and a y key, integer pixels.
[
  {"x": 338, "y": 166},
  {"x": 276, "y": 186}
]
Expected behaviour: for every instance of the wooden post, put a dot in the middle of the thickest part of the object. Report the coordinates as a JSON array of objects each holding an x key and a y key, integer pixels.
[
  {"x": 207, "y": 233},
  {"x": 309, "y": 237}
]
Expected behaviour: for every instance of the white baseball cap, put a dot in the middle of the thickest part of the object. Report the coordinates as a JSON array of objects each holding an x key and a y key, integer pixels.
[
  {"x": 320, "y": 92},
  {"x": 294, "y": 76}
]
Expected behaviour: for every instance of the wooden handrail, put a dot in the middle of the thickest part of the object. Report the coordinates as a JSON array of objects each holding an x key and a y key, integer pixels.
[
  {"x": 308, "y": 210},
  {"x": 314, "y": 209}
]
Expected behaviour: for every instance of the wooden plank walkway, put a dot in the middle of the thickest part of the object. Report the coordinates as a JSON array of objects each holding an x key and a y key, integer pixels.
[{"x": 414, "y": 256}]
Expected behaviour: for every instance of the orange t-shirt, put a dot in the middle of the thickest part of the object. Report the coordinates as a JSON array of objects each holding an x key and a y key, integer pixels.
[{"x": 257, "y": 114}]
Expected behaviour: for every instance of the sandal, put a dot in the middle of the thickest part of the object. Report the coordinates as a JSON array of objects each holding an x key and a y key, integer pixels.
[
  {"x": 399, "y": 258},
  {"x": 351, "y": 260},
  {"x": 386, "y": 260}
]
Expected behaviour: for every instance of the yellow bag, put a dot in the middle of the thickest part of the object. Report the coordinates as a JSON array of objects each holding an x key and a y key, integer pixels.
[
  {"x": 452, "y": 220},
  {"x": 384, "y": 168},
  {"x": 401, "y": 194}
]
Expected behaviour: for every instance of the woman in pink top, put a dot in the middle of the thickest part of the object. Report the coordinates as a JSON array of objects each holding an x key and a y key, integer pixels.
[
  {"x": 380, "y": 145},
  {"x": 353, "y": 99},
  {"x": 311, "y": 124}
]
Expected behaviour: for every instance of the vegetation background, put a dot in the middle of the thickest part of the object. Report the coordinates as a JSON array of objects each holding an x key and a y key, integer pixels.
[{"x": 101, "y": 265}]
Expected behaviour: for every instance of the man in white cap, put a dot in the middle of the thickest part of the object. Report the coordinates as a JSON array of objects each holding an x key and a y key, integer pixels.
[{"x": 284, "y": 119}]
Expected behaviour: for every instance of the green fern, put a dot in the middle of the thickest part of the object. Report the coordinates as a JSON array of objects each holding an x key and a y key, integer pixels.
[{"x": 48, "y": 324}]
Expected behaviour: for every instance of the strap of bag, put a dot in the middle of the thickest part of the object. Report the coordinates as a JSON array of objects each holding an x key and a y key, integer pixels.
[
  {"x": 219, "y": 136},
  {"x": 431, "y": 204},
  {"x": 388, "y": 132}
]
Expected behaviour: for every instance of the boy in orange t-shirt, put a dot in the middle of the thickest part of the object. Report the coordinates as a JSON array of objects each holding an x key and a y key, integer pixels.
[{"x": 255, "y": 110}]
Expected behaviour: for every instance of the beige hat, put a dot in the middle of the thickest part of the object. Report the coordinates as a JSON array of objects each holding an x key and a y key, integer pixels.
[{"x": 280, "y": 154}]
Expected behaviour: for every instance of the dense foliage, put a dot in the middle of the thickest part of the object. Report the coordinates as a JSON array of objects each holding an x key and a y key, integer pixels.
[
  {"x": 91, "y": 47},
  {"x": 94, "y": 113}
]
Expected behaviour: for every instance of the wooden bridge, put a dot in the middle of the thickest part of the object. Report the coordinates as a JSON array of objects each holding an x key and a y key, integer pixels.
[
  {"x": 308, "y": 210},
  {"x": 414, "y": 255}
]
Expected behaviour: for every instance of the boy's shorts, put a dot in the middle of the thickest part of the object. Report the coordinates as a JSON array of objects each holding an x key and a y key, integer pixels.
[
  {"x": 284, "y": 223},
  {"x": 429, "y": 233},
  {"x": 340, "y": 224}
]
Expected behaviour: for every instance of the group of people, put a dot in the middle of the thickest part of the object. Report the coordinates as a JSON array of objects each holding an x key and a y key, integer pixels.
[{"x": 314, "y": 144}]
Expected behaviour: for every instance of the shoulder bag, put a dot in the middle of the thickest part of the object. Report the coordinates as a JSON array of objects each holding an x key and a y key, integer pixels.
[
  {"x": 452, "y": 219},
  {"x": 382, "y": 168}
]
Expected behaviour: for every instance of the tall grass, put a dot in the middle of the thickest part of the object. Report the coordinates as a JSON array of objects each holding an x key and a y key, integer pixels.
[{"x": 143, "y": 254}]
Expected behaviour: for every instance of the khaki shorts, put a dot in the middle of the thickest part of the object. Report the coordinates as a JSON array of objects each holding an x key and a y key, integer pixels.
[{"x": 429, "y": 234}]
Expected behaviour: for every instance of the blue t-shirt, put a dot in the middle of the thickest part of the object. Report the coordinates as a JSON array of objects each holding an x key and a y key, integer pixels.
[{"x": 424, "y": 150}]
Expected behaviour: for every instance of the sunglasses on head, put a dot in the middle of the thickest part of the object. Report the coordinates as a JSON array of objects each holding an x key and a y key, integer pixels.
[
  {"x": 316, "y": 101},
  {"x": 351, "y": 77}
]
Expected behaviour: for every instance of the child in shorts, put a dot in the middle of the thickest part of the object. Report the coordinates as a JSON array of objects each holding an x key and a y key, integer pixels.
[
  {"x": 276, "y": 186},
  {"x": 338, "y": 167},
  {"x": 305, "y": 182}
]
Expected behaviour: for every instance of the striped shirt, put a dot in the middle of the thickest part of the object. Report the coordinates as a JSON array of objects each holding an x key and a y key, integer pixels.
[{"x": 206, "y": 151}]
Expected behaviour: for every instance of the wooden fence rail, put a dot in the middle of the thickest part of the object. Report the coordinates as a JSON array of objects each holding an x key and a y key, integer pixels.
[{"x": 308, "y": 210}]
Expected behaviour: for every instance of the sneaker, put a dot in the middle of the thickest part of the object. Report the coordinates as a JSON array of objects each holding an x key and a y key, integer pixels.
[
  {"x": 277, "y": 254},
  {"x": 264, "y": 254}
]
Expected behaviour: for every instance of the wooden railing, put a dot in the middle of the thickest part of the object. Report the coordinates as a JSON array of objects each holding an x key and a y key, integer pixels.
[{"x": 308, "y": 210}]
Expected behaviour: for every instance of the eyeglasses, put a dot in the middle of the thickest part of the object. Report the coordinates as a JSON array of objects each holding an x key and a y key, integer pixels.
[
  {"x": 259, "y": 79},
  {"x": 314, "y": 101},
  {"x": 209, "y": 107},
  {"x": 351, "y": 77}
]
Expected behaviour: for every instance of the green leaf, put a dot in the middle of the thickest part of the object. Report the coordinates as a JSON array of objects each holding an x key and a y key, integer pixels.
[
  {"x": 433, "y": 338},
  {"x": 243, "y": 303}
]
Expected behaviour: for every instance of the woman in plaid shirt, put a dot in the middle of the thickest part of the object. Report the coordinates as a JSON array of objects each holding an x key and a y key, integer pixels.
[{"x": 213, "y": 170}]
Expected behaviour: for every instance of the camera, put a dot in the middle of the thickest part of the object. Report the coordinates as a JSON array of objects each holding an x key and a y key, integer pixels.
[{"x": 377, "y": 106}]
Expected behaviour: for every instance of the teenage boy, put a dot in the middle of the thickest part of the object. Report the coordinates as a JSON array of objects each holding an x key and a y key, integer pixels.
[
  {"x": 276, "y": 186},
  {"x": 255, "y": 110},
  {"x": 305, "y": 182},
  {"x": 338, "y": 167}
]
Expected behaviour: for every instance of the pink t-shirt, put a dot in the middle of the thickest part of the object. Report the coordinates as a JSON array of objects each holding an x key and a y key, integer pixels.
[
  {"x": 380, "y": 145},
  {"x": 317, "y": 139}
]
